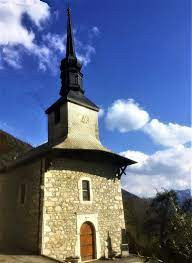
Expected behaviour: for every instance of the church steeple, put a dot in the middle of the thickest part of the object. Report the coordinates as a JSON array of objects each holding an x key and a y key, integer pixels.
[
  {"x": 71, "y": 76},
  {"x": 70, "y": 49},
  {"x": 73, "y": 112}
]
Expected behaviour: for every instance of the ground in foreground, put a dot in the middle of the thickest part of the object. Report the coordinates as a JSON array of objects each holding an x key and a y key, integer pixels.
[{"x": 39, "y": 259}]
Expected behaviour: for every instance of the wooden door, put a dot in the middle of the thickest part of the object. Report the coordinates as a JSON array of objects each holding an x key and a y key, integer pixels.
[{"x": 87, "y": 241}]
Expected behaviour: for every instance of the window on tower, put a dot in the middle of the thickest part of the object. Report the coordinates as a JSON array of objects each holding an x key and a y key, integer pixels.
[{"x": 57, "y": 115}]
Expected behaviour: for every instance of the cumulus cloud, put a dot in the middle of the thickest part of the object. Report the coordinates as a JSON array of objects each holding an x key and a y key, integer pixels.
[
  {"x": 165, "y": 169},
  {"x": 47, "y": 48},
  {"x": 13, "y": 34},
  {"x": 168, "y": 134},
  {"x": 126, "y": 115},
  {"x": 12, "y": 31}
]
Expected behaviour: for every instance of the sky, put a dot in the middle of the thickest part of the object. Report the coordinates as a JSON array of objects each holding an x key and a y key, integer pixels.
[{"x": 136, "y": 57}]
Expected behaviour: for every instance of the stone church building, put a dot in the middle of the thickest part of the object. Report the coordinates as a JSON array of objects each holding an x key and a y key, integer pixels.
[{"x": 63, "y": 199}]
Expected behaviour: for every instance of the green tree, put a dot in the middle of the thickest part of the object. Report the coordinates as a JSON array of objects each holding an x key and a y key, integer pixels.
[{"x": 169, "y": 226}]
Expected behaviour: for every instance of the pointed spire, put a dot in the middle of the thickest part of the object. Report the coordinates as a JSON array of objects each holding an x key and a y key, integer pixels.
[
  {"x": 71, "y": 76},
  {"x": 70, "y": 49}
]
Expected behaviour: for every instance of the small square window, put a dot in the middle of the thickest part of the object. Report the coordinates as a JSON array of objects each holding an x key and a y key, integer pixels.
[
  {"x": 86, "y": 190},
  {"x": 57, "y": 115}
]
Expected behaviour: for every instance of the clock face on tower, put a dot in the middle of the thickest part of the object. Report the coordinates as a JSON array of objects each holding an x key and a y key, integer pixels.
[{"x": 85, "y": 119}]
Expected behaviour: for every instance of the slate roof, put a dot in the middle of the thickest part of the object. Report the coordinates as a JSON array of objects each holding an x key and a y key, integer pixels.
[
  {"x": 75, "y": 97},
  {"x": 46, "y": 150}
]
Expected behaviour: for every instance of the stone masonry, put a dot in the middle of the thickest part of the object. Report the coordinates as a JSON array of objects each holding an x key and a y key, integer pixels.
[{"x": 62, "y": 205}]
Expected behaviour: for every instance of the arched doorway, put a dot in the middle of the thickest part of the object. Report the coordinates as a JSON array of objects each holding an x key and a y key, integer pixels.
[{"x": 87, "y": 241}]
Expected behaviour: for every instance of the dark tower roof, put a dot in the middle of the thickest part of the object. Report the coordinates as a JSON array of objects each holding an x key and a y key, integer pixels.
[
  {"x": 70, "y": 48},
  {"x": 71, "y": 75}
]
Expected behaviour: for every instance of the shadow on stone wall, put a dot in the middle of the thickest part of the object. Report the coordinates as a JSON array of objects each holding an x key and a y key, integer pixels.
[{"x": 101, "y": 169}]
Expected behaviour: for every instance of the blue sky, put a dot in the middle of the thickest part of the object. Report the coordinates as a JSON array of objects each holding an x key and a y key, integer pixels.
[{"x": 133, "y": 49}]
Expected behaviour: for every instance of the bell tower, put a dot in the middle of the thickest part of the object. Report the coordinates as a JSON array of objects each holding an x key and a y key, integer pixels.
[{"x": 73, "y": 118}]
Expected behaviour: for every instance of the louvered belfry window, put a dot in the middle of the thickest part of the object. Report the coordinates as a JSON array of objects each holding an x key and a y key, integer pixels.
[{"x": 86, "y": 190}]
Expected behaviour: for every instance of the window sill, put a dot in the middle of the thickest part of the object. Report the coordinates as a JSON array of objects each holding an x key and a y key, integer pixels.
[{"x": 86, "y": 202}]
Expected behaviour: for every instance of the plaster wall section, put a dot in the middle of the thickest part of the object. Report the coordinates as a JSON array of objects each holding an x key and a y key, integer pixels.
[
  {"x": 19, "y": 222},
  {"x": 82, "y": 121},
  {"x": 77, "y": 129}
]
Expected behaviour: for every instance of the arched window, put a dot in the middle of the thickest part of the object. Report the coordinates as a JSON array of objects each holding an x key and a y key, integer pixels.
[{"x": 86, "y": 190}]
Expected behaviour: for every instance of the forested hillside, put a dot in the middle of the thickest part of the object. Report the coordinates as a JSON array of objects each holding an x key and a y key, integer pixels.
[
  {"x": 160, "y": 227},
  {"x": 11, "y": 148}
]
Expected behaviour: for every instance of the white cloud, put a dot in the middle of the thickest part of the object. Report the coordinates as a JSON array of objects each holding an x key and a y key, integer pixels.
[
  {"x": 166, "y": 169},
  {"x": 49, "y": 51},
  {"x": 84, "y": 52},
  {"x": 12, "y": 31},
  {"x": 46, "y": 48},
  {"x": 55, "y": 41},
  {"x": 168, "y": 134},
  {"x": 12, "y": 57},
  {"x": 37, "y": 10},
  {"x": 1, "y": 62},
  {"x": 126, "y": 115},
  {"x": 13, "y": 34},
  {"x": 45, "y": 59},
  {"x": 95, "y": 30}
]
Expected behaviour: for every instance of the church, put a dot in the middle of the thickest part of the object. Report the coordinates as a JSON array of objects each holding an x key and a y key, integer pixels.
[{"x": 63, "y": 199}]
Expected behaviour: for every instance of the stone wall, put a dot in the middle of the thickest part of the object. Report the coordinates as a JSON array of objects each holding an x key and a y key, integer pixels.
[
  {"x": 64, "y": 211},
  {"x": 19, "y": 223}
]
